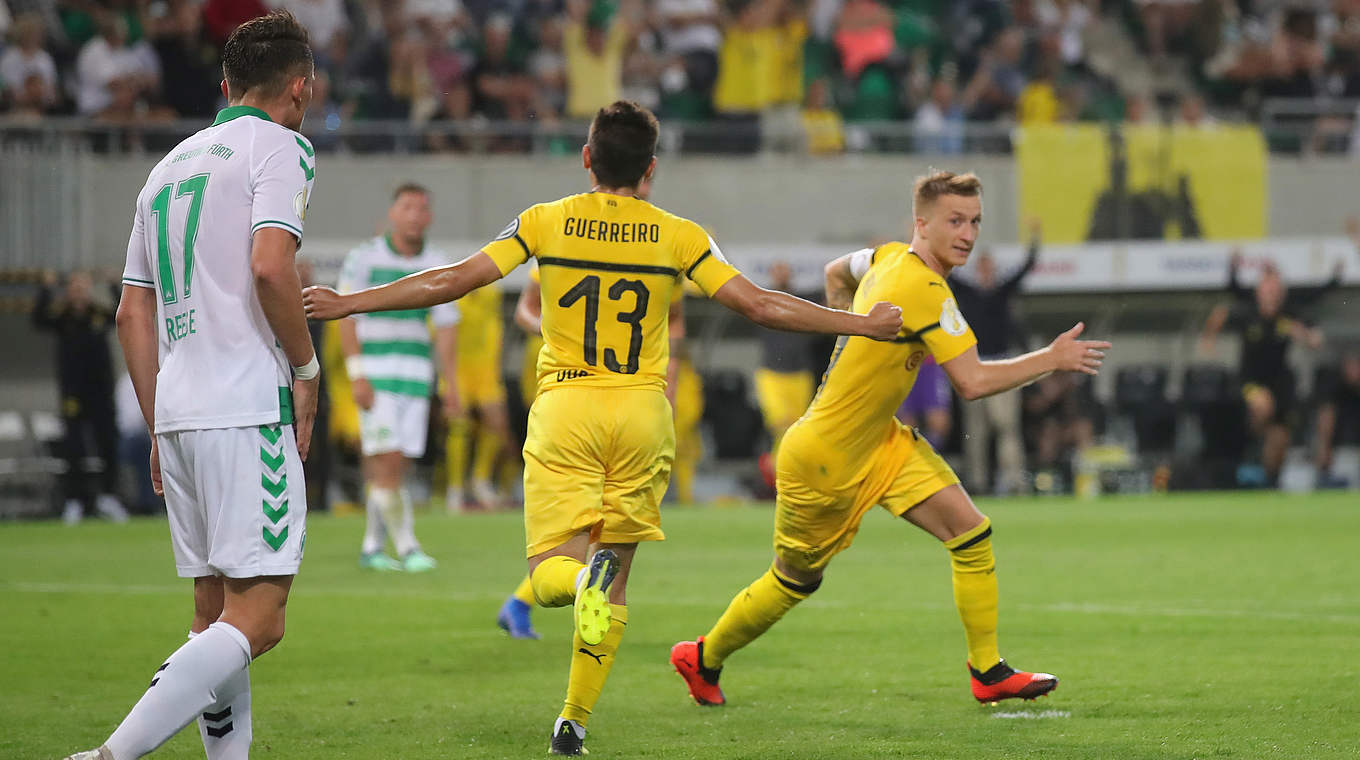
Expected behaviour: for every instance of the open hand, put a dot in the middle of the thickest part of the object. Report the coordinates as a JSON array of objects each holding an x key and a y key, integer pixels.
[{"x": 1072, "y": 355}]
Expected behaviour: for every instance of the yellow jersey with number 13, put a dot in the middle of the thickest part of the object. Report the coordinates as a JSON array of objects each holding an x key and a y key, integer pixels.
[{"x": 609, "y": 267}]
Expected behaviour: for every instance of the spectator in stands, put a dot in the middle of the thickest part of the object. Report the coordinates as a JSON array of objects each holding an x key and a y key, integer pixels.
[
  {"x": 999, "y": 78},
  {"x": 939, "y": 121},
  {"x": 986, "y": 305},
  {"x": 501, "y": 88},
  {"x": 1038, "y": 102},
  {"x": 823, "y": 128},
  {"x": 594, "y": 42},
  {"x": 323, "y": 19},
  {"x": 113, "y": 74},
  {"x": 548, "y": 67},
  {"x": 221, "y": 17},
  {"x": 1338, "y": 422},
  {"x": 188, "y": 60},
  {"x": 82, "y": 320},
  {"x": 749, "y": 56},
  {"x": 691, "y": 36},
  {"x": 1268, "y": 322},
  {"x": 1164, "y": 20},
  {"x": 28, "y": 75}
]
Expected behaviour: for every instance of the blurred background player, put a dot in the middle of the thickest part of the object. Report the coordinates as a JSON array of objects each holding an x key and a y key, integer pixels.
[
  {"x": 930, "y": 406},
  {"x": 388, "y": 357},
  {"x": 484, "y": 425},
  {"x": 1268, "y": 320},
  {"x": 601, "y": 436},
  {"x": 82, "y": 318},
  {"x": 1338, "y": 425},
  {"x": 986, "y": 303},
  {"x": 784, "y": 382},
  {"x": 848, "y": 453}
]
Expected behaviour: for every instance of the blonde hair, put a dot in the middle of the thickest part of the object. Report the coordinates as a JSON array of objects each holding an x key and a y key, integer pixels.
[{"x": 930, "y": 187}]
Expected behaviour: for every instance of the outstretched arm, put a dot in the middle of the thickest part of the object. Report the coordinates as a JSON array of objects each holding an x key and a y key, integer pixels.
[
  {"x": 781, "y": 311},
  {"x": 975, "y": 379},
  {"x": 1212, "y": 327},
  {"x": 417, "y": 291}
]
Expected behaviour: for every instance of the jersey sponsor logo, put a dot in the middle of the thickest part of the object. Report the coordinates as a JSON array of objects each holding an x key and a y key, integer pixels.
[
  {"x": 605, "y": 231},
  {"x": 510, "y": 230},
  {"x": 951, "y": 319},
  {"x": 570, "y": 374}
]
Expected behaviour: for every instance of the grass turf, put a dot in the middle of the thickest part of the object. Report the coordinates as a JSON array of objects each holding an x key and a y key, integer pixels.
[{"x": 1197, "y": 626}]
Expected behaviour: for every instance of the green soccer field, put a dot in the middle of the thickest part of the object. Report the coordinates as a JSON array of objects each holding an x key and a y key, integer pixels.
[{"x": 1223, "y": 626}]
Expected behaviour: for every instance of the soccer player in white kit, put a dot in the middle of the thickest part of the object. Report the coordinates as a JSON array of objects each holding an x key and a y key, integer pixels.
[
  {"x": 212, "y": 327},
  {"x": 388, "y": 359}
]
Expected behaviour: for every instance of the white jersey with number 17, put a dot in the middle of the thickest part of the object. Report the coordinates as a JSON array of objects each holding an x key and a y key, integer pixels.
[{"x": 220, "y": 365}]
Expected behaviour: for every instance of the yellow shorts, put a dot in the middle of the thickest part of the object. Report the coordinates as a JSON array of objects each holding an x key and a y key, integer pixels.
[
  {"x": 596, "y": 459},
  {"x": 812, "y": 525},
  {"x": 783, "y": 396},
  {"x": 480, "y": 384}
]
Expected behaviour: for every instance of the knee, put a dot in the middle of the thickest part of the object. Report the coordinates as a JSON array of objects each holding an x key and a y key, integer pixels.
[
  {"x": 799, "y": 581},
  {"x": 266, "y": 636}
]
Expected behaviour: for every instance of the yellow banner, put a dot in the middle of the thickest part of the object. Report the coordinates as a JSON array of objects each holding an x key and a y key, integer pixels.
[{"x": 1088, "y": 182}]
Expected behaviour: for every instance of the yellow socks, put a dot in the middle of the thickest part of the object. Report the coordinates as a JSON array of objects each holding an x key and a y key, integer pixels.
[
  {"x": 975, "y": 593},
  {"x": 525, "y": 592},
  {"x": 456, "y": 456},
  {"x": 752, "y": 611},
  {"x": 554, "y": 581},
  {"x": 484, "y": 457},
  {"x": 590, "y": 667}
]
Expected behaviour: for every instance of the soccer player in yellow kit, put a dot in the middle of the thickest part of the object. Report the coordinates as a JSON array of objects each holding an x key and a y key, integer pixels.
[
  {"x": 481, "y": 390},
  {"x": 600, "y": 439},
  {"x": 848, "y": 452}
]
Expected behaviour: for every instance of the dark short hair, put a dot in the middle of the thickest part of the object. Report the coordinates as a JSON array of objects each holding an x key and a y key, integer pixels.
[
  {"x": 410, "y": 187},
  {"x": 264, "y": 53},
  {"x": 622, "y": 142}
]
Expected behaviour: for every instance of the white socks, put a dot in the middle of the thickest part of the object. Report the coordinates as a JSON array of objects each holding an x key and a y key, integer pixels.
[
  {"x": 380, "y": 501},
  {"x": 404, "y": 534},
  {"x": 182, "y": 690},
  {"x": 225, "y": 725}
]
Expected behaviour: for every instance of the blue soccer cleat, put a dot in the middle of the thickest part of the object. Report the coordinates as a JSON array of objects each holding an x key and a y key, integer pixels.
[{"x": 514, "y": 619}]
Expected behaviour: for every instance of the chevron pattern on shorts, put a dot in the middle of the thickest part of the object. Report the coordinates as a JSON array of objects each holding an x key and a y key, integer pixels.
[{"x": 274, "y": 481}]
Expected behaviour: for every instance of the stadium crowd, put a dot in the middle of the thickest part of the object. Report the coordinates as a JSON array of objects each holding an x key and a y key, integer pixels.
[{"x": 759, "y": 68}]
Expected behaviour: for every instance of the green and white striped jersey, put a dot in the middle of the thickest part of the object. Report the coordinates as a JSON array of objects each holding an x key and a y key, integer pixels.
[{"x": 395, "y": 345}]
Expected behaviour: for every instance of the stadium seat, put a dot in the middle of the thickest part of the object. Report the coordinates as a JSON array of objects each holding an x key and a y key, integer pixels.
[
  {"x": 733, "y": 421},
  {"x": 1140, "y": 394},
  {"x": 1211, "y": 398}
]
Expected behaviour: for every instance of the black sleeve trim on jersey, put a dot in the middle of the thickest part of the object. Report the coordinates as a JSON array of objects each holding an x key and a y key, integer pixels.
[
  {"x": 975, "y": 539},
  {"x": 690, "y": 272},
  {"x": 525, "y": 246},
  {"x": 915, "y": 337},
  {"x": 606, "y": 266}
]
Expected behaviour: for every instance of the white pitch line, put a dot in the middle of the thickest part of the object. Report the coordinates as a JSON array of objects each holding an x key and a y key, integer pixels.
[{"x": 1032, "y": 715}]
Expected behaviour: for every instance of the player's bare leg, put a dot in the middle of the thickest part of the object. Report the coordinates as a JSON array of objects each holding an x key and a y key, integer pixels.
[
  {"x": 951, "y": 516},
  {"x": 492, "y": 438},
  {"x": 598, "y": 592}
]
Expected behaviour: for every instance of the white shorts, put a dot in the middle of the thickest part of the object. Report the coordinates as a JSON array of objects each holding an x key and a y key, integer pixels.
[
  {"x": 236, "y": 500},
  {"x": 395, "y": 423}
]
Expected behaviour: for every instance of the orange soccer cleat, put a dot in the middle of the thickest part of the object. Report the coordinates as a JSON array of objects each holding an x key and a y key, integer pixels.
[
  {"x": 1001, "y": 681},
  {"x": 688, "y": 659}
]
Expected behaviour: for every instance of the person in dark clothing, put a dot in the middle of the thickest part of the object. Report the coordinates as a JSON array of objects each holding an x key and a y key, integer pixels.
[
  {"x": 784, "y": 381},
  {"x": 189, "y": 62},
  {"x": 1338, "y": 418},
  {"x": 82, "y": 324},
  {"x": 986, "y": 305},
  {"x": 1267, "y": 319}
]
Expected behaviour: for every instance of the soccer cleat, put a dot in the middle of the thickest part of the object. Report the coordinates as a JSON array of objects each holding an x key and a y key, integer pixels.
[
  {"x": 514, "y": 619},
  {"x": 453, "y": 501},
  {"x": 379, "y": 561},
  {"x": 485, "y": 495},
  {"x": 568, "y": 738},
  {"x": 73, "y": 512},
  {"x": 1001, "y": 681},
  {"x": 591, "y": 610},
  {"x": 92, "y": 754},
  {"x": 688, "y": 659},
  {"x": 417, "y": 561}
]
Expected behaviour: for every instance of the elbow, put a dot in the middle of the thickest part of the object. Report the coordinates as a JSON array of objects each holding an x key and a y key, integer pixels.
[
  {"x": 264, "y": 271},
  {"x": 970, "y": 390},
  {"x": 127, "y": 314},
  {"x": 762, "y": 310}
]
